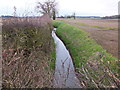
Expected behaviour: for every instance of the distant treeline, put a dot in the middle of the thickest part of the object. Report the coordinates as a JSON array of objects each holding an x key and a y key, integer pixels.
[
  {"x": 7, "y": 16},
  {"x": 19, "y": 16},
  {"x": 79, "y": 16},
  {"x": 106, "y": 17},
  {"x": 112, "y": 17}
]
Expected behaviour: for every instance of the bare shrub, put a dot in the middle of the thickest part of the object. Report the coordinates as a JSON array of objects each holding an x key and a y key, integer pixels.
[{"x": 26, "y": 52}]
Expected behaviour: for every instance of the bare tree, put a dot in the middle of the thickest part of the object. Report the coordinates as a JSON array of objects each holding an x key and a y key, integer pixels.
[
  {"x": 74, "y": 15},
  {"x": 54, "y": 14},
  {"x": 47, "y": 7},
  {"x": 14, "y": 13}
]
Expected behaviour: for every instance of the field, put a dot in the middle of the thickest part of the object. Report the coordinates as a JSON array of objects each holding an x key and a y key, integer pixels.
[
  {"x": 104, "y": 31},
  {"x": 27, "y": 52},
  {"x": 95, "y": 67},
  {"x": 110, "y": 23}
]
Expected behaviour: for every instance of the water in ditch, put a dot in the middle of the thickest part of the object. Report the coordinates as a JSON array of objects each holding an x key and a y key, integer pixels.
[{"x": 64, "y": 76}]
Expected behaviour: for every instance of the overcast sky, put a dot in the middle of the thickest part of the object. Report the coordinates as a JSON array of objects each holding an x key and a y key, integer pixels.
[{"x": 66, "y": 7}]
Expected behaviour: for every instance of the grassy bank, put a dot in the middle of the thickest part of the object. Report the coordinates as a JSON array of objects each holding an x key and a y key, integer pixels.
[
  {"x": 27, "y": 52},
  {"x": 90, "y": 59}
]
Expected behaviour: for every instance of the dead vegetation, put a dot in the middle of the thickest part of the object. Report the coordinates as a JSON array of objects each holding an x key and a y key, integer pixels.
[
  {"x": 26, "y": 52},
  {"x": 97, "y": 74}
]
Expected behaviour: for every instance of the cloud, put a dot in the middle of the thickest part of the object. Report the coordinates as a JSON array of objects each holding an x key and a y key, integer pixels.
[
  {"x": 101, "y": 7},
  {"x": 81, "y": 7}
]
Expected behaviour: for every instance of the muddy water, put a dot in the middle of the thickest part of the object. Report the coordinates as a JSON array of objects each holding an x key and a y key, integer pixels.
[{"x": 64, "y": 70}]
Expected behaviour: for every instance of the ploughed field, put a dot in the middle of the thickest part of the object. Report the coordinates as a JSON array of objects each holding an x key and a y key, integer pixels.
[{"x": 104, "y": 31}]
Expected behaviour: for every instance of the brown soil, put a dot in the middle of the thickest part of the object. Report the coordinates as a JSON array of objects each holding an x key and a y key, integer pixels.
[{"x": 108, "y": 39}]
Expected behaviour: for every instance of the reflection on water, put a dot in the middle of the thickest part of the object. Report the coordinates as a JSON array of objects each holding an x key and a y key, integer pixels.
[{"x": 64, "y": 69}]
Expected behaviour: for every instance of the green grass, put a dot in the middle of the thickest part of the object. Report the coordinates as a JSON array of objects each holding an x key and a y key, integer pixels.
[
  {"x": 105, "y": 28},
  {"x": 53, "y": 57},
  {"x": 81, "y": 47},
  {"x": 82, "y": 24},
  {"x": 99, "y": 27}
]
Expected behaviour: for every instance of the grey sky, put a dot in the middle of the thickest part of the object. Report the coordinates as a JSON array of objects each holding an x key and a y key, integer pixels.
[{"x": 66, "y": 7}]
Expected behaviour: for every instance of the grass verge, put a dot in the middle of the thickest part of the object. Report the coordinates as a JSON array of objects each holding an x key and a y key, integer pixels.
[
  {"x": 105, "y": 28},
  {"x": 90, "y": 59}
]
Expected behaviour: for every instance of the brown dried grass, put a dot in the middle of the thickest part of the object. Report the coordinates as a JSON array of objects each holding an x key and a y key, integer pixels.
[
  {"x": 26, "y": 63},
  {"x": 96, "y": 74}
]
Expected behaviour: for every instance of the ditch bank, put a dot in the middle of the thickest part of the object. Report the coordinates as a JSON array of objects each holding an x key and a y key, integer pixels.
[{"x": 95, "y": 66}]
